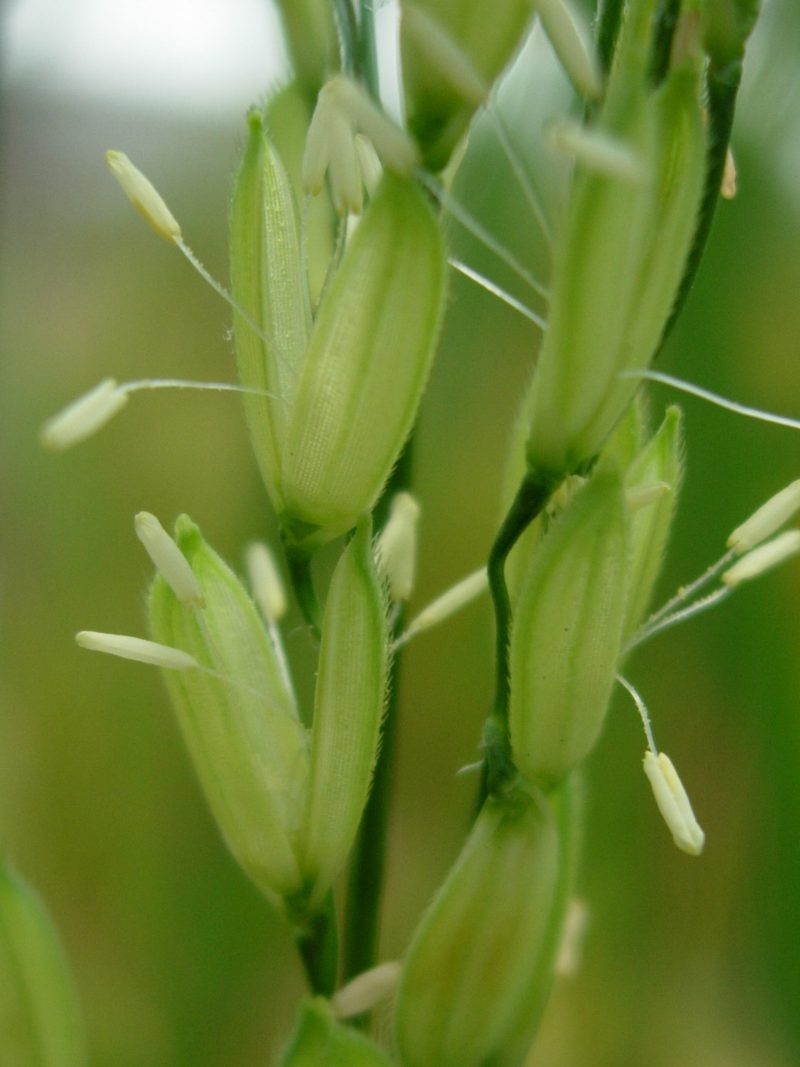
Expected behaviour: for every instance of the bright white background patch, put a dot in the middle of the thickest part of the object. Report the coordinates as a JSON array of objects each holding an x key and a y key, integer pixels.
[{"x": 177, "y": 53}]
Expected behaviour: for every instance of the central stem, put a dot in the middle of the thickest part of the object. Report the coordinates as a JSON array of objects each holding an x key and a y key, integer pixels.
[
  {"x": 368, "y": 51},
  {"x": 317, "y": 942},
  {"x": 367, "y": 869},
  {"x": 348, "y": 34},
  {"x": 298, "y": 563},
  {"x": 368, "y": 865},
  {"x": 531, "y": 497},
  {"x": 722, "y": 86}
]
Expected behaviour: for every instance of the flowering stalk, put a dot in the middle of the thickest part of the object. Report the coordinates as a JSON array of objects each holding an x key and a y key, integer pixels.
[
  {"x": 531, "y": 498},
  {"x": 333, "y": 373},
  {"x": 367, "y": 867}
]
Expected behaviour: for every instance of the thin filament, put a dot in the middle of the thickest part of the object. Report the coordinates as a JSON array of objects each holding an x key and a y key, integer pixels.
[
  {"x": 677, "y": 617},
  {"x": 182, "y": 383},
  {"x": 222, "y": 291},
  {"x": 441, "y": 607},
  {"x": 714, "y": 398},
  {"x": 687, "y": 592},
  {"x": 496, "y": 290},
  {"x": 644, "y": 714},
  {"x": 480, "y": 233},
  {"x": 529, "y": 191},
  {"x": 336, "y": 257},
  {"x": 280, "y": 655}
]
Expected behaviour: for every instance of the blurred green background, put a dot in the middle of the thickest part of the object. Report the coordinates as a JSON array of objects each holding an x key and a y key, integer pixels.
[{"x": 686, "y": 962}]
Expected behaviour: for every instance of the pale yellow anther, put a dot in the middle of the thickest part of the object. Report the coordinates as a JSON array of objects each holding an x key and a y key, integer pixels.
[
  {"x": 396, "y": 550},
  {"x": 265, "y": 582},
  {"x": 767, "y": 519},
  {"x": 144, "y": 196},
  {"x": 573, "y": 935},
  {"x": 673, "y": 803},
  {"x": 764, "y": 558},
  {"x": 346, "y": 186},
  {"x": 168, "y": 559},
  {"x": 449, "y": 603},
  {"x": 84, "y": 416},
  {"x": 343, "y": 111},
  {"x": 394, "y": 146},
  {"x": 366, "y": 990},
  {"x": 318, "y": 148},
  {"x": 368, "y": 162},
  {"x": 729, "y": 182},
  {"x": 138, "y": 649}
]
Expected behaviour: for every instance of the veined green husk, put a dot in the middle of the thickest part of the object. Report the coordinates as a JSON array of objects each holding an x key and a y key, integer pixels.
[
  {"x": 623, "y": 251},
  {"x": 319, "y": 1040},
  {"x": 566, "y": 632},
  {"x": 288, "y": 802},
  {"x": 367, "y": 362},
  {"x": 242, "y": 729},
  {"x": 629, "y": 435},
  {"x": 349, "y": 702},
  {"x": 344, "y": 389},
  {"x": 661, "y": 460},
  {"x": 681, "y": 137},
  {"x": 567, "y": 803},
  {"x": 476, "y": 953},
  {"x": 39, "y": 1016},
  {"x": 269, "y": 282}
]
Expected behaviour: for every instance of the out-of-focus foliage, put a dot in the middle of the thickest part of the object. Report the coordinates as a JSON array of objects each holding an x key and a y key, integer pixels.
[{"x": 177, "y": 959}]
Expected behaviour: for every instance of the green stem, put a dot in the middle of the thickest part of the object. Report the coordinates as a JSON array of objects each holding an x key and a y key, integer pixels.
[
  {"x": 367, "y": 868},
  {"x": 348, "y": 34},
  {"x": 531, "y": 497},
  {"x": 317, "y": 942},
  {"x": 368, "y": 52},
  {"x": 298, "y": 563},
  {"x": 665, "y": 22},
  {"x": 359, "y": 54},
  {"x": 608, "y": 23},
  {"x": 722, "y": 85}
]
